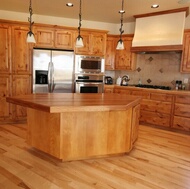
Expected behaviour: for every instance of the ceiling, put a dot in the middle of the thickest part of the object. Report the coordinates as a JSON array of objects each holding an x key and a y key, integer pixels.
[{"x": 94, "y": 10}]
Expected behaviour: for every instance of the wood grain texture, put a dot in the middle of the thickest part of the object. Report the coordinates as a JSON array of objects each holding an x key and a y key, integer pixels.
[
  {"x": 160, "y": 160},
  {"x": 82, "y": 135},
  {"x": 65, "y": 102}
]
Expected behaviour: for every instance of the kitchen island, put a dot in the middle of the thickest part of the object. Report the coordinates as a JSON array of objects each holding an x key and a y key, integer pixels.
[{"x": 73, "y": 126}]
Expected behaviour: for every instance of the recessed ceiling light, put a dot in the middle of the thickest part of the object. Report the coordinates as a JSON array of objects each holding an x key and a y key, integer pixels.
[
  {"x": 69, "y": 4},
  {"x": 154, "y": 6}
]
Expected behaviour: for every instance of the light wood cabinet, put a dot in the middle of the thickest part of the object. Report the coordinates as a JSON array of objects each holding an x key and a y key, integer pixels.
[
  {"x": 156, "y": 109},
  {"x": 122, "y": 91},
  {"x": 64, "y": 39},
  {"x": 125, "y": 59},
  {"x": 94, "y": 43},
  {"x": 21, "y": 85},
  {"x": 185, "y": 60},
  {"x": 108, "y": 88},
  {"x": 135, "y": 122},
  {"x": 50, "y": 37},
  {"x": 120, "y": 59},
  {"x": 4, "y": 92},
  {"x": 110, "y": 53},
  {"x": 21, "y": 57},
  {"x": 5, "y": 48},
  {"x": 182, "y": 113},
  {"x": 44, "y": 37}
]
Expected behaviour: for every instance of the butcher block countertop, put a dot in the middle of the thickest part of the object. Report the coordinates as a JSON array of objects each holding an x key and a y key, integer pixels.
[
  {"x": 65, "y": 102},
  {"x": 77, "y": 126}
]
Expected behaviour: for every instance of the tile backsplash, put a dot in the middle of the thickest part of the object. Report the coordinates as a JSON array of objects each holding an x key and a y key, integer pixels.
[{"x": 155, "y": 69}]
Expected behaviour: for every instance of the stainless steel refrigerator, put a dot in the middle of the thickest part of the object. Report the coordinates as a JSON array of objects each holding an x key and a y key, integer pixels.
[{"x": 53, "y": 71}]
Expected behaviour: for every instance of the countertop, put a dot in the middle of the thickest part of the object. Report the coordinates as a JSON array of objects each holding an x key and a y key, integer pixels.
[
  {"x": 72, "y": 102},
  {"x": 175, "y": 92}
]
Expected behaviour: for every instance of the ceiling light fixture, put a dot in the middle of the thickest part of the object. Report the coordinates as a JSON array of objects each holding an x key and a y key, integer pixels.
[
  {"x": 79, "y": 40},
  {"x": 30, "y": 34},
  {"x": 120, "y": 45},
  {"x": 155, "y": 6}
]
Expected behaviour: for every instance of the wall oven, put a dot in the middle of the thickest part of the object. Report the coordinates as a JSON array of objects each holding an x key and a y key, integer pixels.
[
  {"x": 89, "y": 83},
  {"x": 89, "y": 64}
]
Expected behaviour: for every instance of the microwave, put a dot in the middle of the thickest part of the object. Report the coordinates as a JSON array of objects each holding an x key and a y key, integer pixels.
[{"x": 89, "y": 64}]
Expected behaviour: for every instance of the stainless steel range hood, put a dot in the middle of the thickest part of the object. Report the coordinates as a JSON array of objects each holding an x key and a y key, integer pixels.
[{"x": 161, "y": 31}]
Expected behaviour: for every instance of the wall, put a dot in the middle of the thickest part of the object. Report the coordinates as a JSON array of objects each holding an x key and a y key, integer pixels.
[{"x": 155, "y": 69}]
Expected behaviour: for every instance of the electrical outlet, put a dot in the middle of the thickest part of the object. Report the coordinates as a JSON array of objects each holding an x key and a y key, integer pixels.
[{"x": 185, "y": 81}]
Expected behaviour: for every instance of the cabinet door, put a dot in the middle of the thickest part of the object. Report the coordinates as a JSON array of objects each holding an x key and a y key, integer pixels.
[
  {"x": 181, "y": 123},
  {"x": 44, "y": 37},
  {"x": 21, "y": 86},
  {"x": 185, "y": 61},
  {"x": 4, "y": 92},
  {"x": 98, "y": 44},
  {"x": 155, "y": 118},
  {"x": 122, "y": 91},
  {"x": 124, "y": 59},
  {"x": 156, "y": 106},
  {"x": 110, "y": 53},
  {"x": 64, "y": 39},
  {"x": 5, "y": 39},
  {"x": 86, "y": 41},
  {"x": 135, "y": 122},
  {"x": 21, "y": 61}
]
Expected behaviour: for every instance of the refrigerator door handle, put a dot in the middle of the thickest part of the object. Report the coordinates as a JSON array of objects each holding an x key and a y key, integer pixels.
[{"x": 51, "y": 84}]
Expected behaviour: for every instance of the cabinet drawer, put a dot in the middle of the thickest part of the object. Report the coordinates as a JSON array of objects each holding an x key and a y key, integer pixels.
[
  {"x": 143, "y": 94},
  {"x": 161, "y": 97},
  {"x": 181, "y": 123},
  {"x": 154, "y": 118},
  {"x": 156, "y": 106},
  {"x": 182, "y": 110},
  {"x": 182, "y": 99},
  {"x": 122, "y": 91}
]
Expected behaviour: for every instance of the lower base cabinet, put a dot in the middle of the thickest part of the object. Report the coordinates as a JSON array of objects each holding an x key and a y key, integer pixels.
[
  {"x": 165, "y": 109},
  {"x": 181, "y": 119},
  {"x": 155, "y": 118}
]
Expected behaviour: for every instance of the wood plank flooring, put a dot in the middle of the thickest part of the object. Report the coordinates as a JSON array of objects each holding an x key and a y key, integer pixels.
[{"x": 160, "y": 160}]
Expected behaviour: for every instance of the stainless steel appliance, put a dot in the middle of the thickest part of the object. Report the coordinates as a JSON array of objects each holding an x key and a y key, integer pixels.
[
  {"x": 89, "y": 83},
  {"x": 89, "y": 64},
  {"x": 53, "y": 71},
  {"x": 108, "y": 80}
]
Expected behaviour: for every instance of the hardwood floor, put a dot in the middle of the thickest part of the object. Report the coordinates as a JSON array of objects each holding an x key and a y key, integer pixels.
[{"x": 160, "y": 160}]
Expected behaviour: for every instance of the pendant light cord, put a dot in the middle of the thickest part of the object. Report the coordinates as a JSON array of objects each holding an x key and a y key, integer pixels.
[
  {"x": 30, "y": 18},
  {"x": 80, "y": 19},
  {"x": 121, "y": 12}
]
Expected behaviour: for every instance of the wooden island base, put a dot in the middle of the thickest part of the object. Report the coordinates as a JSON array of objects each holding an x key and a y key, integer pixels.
[{"x": 92, "y": 125}]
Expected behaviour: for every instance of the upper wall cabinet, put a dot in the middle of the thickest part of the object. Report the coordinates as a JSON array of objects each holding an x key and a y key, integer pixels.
[
  {"x": 47, "y": 37},
  {"x": 21, "y": 61},
  {"x": 5, "y": 48},
  {"x": 185, "y": 61},
  {"x": 94, "y": 43},
  {"x": 120, "y": 59},
  {"x": 110, "y": 53}
]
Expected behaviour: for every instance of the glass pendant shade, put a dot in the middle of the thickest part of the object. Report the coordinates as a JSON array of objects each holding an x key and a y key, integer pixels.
[
  {"x": 79, "y": 42},
  {"x": 30, "y": 38},
  {"x": 120, "y": 45}
]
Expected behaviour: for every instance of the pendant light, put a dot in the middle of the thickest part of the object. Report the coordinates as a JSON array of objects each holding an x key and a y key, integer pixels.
[
  {"x": 30, "y": 34},
  {"x": 120, "y": 45},
  {"x": 79, "y": 40}
]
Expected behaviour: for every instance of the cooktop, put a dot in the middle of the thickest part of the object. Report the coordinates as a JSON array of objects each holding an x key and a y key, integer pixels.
[{"x": 154, "y": 87}]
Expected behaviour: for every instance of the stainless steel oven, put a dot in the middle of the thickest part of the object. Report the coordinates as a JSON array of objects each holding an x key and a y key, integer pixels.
[
  {"x": 89, "y": 64},
  {"x": 89, "y": 83}
]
